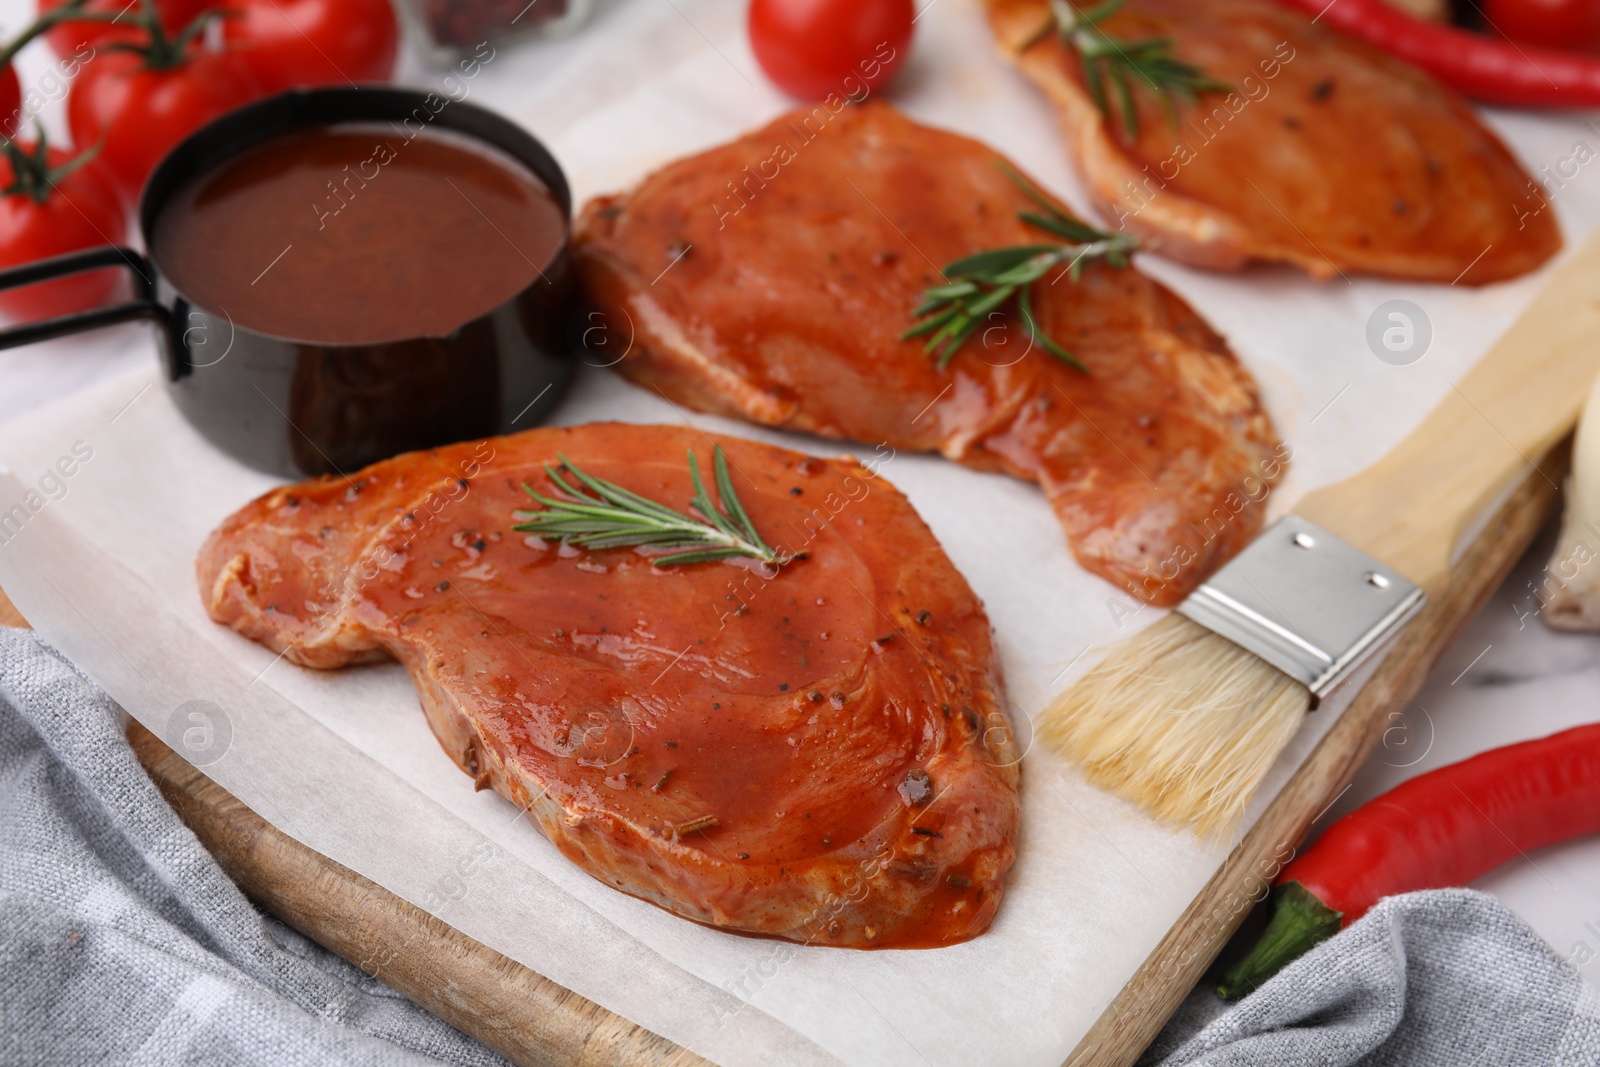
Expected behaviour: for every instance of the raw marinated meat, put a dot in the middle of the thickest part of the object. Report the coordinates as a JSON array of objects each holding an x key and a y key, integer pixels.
[
  {"x": 771, "y": 279},
  {"x": 1326, "y": 153},
  {"x": 819, "y": 753}
]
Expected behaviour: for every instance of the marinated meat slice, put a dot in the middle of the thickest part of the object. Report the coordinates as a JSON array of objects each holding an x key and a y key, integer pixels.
[
  {"x": 772, "y": 278},
  {"x": 820, "y": 753},
  {"x": 1327, "y": 154}
]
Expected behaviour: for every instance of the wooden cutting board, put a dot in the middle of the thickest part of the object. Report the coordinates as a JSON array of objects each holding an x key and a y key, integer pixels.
[{"x": 532, "y": 1020}]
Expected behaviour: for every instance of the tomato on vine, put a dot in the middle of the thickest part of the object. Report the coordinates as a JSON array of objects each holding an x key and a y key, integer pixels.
[
  {"x": 10, "y": 102},
  {"x": 139, "y": 100},
  {"x": 290, "y": 43},
  {"x": 50, "y": 205},
  {"x": 69, "y": 35}
]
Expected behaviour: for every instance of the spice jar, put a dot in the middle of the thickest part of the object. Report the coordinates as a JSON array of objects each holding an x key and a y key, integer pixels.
[{"x": 450, "y": 28}]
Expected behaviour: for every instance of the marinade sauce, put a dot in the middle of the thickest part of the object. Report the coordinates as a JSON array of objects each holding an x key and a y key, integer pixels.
[{"x": 355, "y": 234}]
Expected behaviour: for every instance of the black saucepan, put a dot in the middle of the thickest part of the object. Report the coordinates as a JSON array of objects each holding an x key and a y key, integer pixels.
[{"x": 295, "y": 408}]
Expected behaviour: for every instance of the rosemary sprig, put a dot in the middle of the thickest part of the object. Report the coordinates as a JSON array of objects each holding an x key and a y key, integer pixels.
[
  {"x": 1112, "y": 59},
  {"x": 979, "y": 284},
  {"x": 609, "y": 516}
]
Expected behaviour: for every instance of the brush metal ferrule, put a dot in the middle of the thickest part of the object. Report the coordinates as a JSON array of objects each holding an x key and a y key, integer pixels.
[{"x": 1308, "y": 603}]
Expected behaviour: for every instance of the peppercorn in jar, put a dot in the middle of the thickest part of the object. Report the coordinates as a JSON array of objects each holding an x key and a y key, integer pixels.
[{"x": 451, "y": 28}]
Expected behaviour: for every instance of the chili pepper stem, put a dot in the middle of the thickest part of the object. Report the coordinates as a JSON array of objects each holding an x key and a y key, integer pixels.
[{"x": 1299, "y": 922}]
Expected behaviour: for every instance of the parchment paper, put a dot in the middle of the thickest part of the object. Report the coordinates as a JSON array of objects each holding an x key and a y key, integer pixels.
[{"x": 344, "y": 761}]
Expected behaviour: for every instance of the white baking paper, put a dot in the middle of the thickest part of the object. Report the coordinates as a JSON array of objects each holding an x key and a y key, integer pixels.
[{"x": 344, "y": 761}]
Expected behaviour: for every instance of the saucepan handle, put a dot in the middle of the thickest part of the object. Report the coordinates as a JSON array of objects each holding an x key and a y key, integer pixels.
[{"x": 142, "y": 306}]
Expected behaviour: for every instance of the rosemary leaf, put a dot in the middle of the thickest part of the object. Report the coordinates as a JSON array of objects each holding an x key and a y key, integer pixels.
[
  {"x": 730, "y": 499},
  {"x": 705, "y": 556},
  {"x": 598, "y": 514},
  {"x": 933, "y": 323},
  {"x": 702, "y": 502},
  {"x": 613, "y": 493},
  {"x": 1070, "y": 229},
  {"x": 995, "y": 261}
]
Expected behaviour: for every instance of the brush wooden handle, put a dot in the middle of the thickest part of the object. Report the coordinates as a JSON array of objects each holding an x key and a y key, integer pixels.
[{"x": 1411, "y": 507}]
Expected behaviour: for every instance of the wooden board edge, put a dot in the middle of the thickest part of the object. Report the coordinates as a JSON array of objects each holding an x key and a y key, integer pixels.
[
  {"x": 9, "y": 615},
  {"x": 512, "y": 1009},
  {"x": 1139, "y": 1011}
]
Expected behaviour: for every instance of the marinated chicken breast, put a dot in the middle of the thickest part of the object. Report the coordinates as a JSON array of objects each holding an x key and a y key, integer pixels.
[
  {"x": 771, "y": 279},
  {"x": 821, "y": 753},
  {"x": 1327, "y": 154}
]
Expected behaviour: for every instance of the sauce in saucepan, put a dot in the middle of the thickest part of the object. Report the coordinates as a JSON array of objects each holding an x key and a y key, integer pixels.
[{"x": 353, "y": 234}]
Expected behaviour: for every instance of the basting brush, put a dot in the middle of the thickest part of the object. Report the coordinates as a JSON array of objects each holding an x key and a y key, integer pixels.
[{"x": 1186, "y": 717}]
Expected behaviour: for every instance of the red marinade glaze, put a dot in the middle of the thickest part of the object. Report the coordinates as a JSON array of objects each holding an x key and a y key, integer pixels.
[{"x": 842, "y": 720}]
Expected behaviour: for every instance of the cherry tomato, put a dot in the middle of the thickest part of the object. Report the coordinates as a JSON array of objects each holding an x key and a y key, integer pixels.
[
  {"x": 67, "y": 37},
  {"x": 141, "y": 112},
  {"x": 10, "y": 101},
  {"x": 816, "y": 48},
  {"x": 1570, "y": 24},
  {"x": 289, "y": 43},
  {"x": 75, "y": 210}
]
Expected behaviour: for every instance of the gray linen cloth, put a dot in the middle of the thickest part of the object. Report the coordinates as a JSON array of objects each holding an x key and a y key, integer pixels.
[
  {"x": 121, "y": 941},
  {"x": 1444, "y": 978}
]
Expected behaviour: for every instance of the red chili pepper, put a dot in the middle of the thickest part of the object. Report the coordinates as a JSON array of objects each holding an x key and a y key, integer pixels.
[
  {"x": 1443, "y": 828},
  {"x": 1482, "y": 67}
]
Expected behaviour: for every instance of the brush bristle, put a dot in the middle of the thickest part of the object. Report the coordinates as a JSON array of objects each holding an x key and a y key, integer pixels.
[{"x": 1179, "y": 720}]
